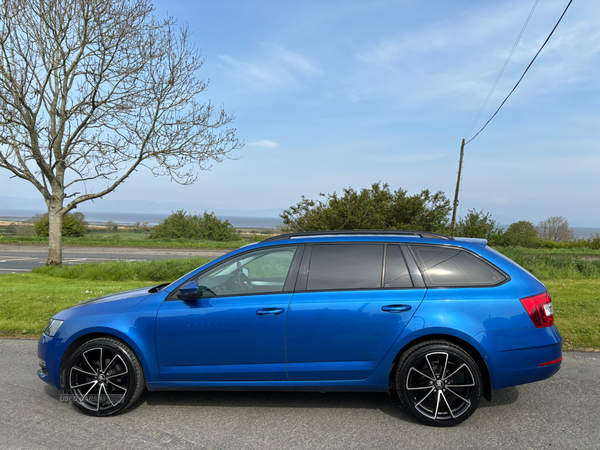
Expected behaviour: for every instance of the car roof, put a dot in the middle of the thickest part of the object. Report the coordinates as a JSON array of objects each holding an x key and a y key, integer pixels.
[
  {"x": 374, "y": 235},
  {"x": 358, "y": 233}
]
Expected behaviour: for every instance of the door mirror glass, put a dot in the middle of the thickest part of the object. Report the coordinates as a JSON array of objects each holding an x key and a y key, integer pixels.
[{"x": 189, "y": 291}]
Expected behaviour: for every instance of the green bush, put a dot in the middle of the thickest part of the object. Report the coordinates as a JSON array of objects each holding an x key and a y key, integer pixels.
[
  {"x": 111, "y": 226},
  {"x": 477, "y": 224},
  {"x": 594, "y": 241},
  {"x": 181, "y": 225},
  {"x": 74, "y": 225},
  {"x": 522, "y": 234},
  {"x": 377, "y": 208}
]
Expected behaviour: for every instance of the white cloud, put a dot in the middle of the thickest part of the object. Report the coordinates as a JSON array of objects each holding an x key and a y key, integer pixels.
[
  {"x": 275, "y": 69},
  {"x": 459, "y": 60},
  {"x": 264, "y": 143}
]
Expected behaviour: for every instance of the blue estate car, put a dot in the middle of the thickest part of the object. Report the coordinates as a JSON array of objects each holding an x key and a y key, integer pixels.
[{"x": 442, "y": 321}]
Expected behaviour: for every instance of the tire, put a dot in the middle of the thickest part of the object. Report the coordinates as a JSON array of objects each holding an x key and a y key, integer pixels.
[
  {"x": 103, "y": 377},
  {"x": 438, "y": 383}
]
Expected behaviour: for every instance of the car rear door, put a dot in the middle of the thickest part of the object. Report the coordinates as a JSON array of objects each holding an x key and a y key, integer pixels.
[{"x": 351, "y": 303}]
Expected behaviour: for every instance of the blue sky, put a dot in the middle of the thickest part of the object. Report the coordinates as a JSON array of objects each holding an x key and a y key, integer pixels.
[{"x": 336, "y": 94}]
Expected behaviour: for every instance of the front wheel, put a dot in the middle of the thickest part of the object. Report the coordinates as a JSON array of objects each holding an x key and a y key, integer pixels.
[
  {"x": 103, "y": 377},
  {"x": 438, "y": 383}
]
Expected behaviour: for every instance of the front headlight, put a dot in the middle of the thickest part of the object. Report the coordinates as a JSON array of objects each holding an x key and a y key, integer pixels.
[{"x": 53, "y": 327}]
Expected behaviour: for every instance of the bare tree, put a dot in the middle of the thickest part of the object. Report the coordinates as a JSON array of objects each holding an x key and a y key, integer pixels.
[
  {"x": 555, "y": 228},
  {"x": 94, "y": 90}
]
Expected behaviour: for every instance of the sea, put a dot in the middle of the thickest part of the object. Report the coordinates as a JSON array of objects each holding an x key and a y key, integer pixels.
[{"x": 124, "y": 218}]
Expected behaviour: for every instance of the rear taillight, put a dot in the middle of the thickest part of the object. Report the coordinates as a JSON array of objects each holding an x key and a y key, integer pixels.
[{"x": 539, "y": 308}]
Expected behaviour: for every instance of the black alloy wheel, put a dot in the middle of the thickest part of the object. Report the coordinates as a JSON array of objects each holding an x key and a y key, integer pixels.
[
  {"x": 103, "y": 377},
  {"x": 439, "y": 383}
]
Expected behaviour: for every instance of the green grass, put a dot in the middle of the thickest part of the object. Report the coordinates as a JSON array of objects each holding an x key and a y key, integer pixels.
[
  {"x": 115, "y": 240},
  {"x": 556, "y": 264},
  {"x": 577, "y": 312},
  {"x": 580, "y": 251},
  {"x": 116, "y": 235},
  {"x": 28, "y": 301},
  {"x": 155, "y": 271}
]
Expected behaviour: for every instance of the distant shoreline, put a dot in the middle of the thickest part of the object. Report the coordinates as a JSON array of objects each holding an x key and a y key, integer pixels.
[
  {"x": 151, "y": 219},
  {"x": 9, "y": 216}
]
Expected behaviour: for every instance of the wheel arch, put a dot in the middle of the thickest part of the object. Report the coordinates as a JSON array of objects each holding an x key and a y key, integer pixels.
[
  {"x": 94, "y": 335},
  {"x": 472, "y": 351}
]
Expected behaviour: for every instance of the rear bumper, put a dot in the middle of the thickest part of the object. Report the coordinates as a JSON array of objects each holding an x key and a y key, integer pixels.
[{"x": 517, "y": 356}]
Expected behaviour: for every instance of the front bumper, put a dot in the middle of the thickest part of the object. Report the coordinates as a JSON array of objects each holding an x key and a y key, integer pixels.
[{"x": 50, "y": 354}]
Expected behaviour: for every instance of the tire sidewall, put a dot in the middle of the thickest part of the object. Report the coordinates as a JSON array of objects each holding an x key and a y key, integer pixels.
[
  {"x": 132, "y": 388},
  {"x": 419, "y": 351}
]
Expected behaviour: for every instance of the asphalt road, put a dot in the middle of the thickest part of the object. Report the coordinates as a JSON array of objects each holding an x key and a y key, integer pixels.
[
  {"x": 21, "y": 258},
  {"x": 559, "y": 413}
]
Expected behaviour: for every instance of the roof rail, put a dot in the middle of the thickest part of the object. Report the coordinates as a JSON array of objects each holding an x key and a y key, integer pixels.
[{"x": 422, "y": 234}]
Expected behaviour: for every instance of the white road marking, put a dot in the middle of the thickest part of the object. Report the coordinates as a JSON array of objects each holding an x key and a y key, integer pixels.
[
  {"x": 42, "y": 260},
  {"x": 17, "y": 259}
]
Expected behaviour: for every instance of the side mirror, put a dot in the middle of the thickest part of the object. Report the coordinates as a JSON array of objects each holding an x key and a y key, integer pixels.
[{"x": 189, "y": 291}]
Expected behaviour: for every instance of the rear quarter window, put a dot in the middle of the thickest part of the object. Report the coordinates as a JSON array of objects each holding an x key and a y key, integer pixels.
[{"x": 454, "y": 267}]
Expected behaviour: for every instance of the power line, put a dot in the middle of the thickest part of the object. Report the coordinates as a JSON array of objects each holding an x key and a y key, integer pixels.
[
  {"x": 530, "y": 64},
  {"x": 502, "y": 70}
]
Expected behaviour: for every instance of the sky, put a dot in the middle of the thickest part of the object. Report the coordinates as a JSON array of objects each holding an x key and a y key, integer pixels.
[{"x": 335, "y": 94}]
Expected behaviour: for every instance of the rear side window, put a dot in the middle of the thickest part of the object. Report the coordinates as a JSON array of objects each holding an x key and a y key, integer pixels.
[
  {"x": 396, "y": 271},
  {"x": 345, "y": 267},
  {"x": 451, "y": 267}
]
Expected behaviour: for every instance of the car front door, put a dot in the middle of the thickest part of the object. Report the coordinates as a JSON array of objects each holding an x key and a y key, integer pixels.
[
  {"x": 352, "y": 301},
  {"x": 235, "y": 330}
]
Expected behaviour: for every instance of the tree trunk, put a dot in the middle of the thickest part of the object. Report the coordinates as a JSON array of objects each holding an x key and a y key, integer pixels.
[{"x": 55, "y": 235}]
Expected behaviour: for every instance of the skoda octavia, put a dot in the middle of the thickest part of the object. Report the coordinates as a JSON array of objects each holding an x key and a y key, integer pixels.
[{"x": 441, "y": 321}]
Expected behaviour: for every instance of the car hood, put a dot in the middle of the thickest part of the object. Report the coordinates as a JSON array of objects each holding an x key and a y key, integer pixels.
[
  {"x": 106, "y": 304},
  {"x": 125, "y": 295}
]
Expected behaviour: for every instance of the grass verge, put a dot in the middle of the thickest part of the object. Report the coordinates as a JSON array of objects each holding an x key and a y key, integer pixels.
[
  {"x": 577, "y": 312},
  {"x": 166, "y": 269},
  {"x": 556, "y": 264},
  {"x": 28, "y": 301}
]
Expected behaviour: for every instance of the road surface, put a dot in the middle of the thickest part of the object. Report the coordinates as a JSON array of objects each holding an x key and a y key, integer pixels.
[{"x": 559, "y": 413}]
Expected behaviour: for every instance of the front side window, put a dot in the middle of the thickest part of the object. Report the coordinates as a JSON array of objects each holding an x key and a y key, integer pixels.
[
  {"x": 258, "y": 272},
  {"x": 452, "y": 267},
  {"x": 345, "y": 267}
]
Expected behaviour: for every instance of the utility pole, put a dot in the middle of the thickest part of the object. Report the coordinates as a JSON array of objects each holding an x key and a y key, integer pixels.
[{"x": 462, "y": 152}]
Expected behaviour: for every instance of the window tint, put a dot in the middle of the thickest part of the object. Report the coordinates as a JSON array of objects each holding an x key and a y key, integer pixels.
[
  {"x": 251, "y": 273},
  {"x": 396, "y": 271},
  {"x": 443, "y": 266},
  {"x": 345, "y": 267}
]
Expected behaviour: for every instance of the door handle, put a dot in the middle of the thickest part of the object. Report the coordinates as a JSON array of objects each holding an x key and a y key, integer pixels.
[
  {"x": 269, "y": 311},
  {"x": 395, "y": 308}
]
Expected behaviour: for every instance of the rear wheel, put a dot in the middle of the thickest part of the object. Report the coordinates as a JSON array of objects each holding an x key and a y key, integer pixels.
[
  {"x": 104, "y": 377},
  {"x": 438, "y": 383}
]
